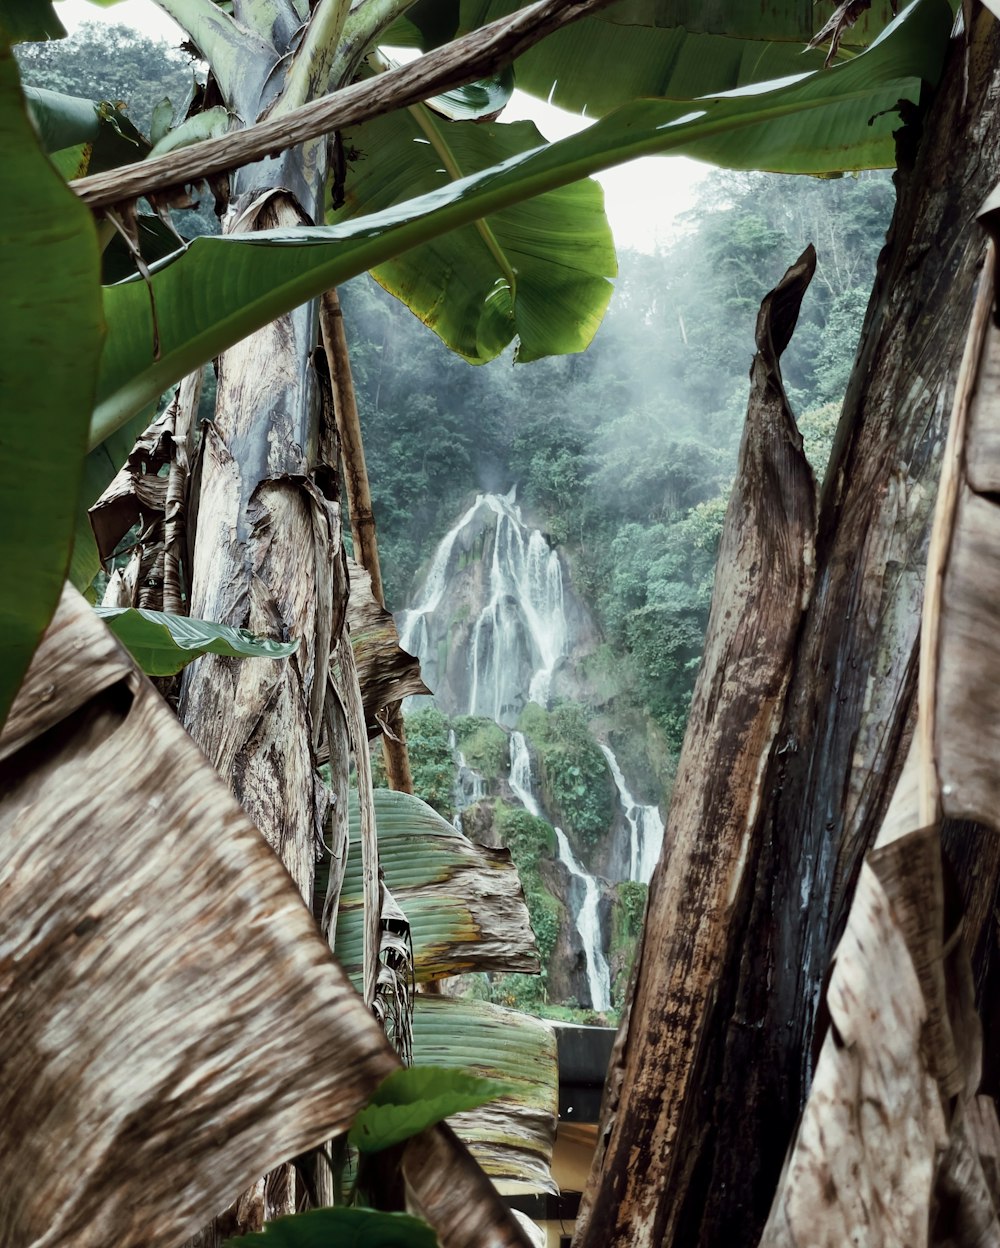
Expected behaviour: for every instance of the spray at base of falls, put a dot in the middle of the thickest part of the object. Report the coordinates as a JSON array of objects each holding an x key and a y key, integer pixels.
[
  {"x": 588, "y": 919},
  {"x": 644, "y": 823}
]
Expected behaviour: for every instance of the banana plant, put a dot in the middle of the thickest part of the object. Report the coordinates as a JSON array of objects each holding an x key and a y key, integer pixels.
[{"x": 264, "y": 525}]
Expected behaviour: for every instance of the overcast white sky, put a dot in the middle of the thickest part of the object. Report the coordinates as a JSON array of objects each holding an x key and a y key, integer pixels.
[{"x": 643, "y": 198}]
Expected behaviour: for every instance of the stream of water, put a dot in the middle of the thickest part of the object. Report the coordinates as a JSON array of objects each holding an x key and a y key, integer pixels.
[
  {"x": 587, "y": 917},
  {"x": 512, "y": 648},
  {"x": 644, "y": 822}
]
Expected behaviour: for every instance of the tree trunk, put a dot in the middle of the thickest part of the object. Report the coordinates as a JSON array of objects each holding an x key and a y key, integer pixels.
[
  {"x": 266, "y": 540},
  {"x": 362, "y": 515},
  {"x": 842, "y": 736}
]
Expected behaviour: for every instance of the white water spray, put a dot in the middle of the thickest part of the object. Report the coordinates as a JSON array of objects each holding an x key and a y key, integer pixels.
[
  {"x": 644, "y": 823},
  {"x": 588, "y": 919},
  {"x": 519, "y": 637}
]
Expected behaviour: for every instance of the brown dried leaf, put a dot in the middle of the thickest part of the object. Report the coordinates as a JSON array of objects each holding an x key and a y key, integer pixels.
[
  {"x": 842, "y": 19},
  {"x": 386, "y": 673},
  {"x": 170, "y": 1014}
]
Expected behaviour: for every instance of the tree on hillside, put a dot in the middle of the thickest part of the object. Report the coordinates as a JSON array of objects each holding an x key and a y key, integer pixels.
[{"x": 802, "y": 779}]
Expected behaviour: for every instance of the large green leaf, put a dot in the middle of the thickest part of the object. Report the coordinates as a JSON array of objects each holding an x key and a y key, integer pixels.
[
  {"x": 537, "y": 271},
  {"x": 163, "y": 644},
  {"x": 50, "y": 342},
  {"x": 341, "y": 1227},
  {"x": 416, "y": 1097},
  {"x": 221, "y": 289},
  {"x": 463, "y": 901},
  {"x": 81, "y": 135},
  {"x": 512, "y": 1137},
  {"x": 29, "y": 20},
  {"x": 674, "y": 49}
]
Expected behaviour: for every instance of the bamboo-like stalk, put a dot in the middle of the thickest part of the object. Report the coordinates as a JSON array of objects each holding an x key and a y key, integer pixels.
[
  {"x": 359, "y": 502},
  {"x": 940, "y": 543},
  {"x": 473, "y": 56}
]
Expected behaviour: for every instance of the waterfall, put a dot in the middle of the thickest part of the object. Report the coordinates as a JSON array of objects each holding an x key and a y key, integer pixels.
[
  {"x": 520, "y": 636},
  {"x": 587, "y": 919},
  {"x": 413, "y": 635},
  {"x": 588, "y": 923},
  {"x": 470, "y": 787},
  {"x": 644, "y": 823}
]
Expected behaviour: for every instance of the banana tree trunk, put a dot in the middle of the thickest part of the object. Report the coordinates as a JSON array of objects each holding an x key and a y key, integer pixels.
[
  {"x": 267, "y": 539},
  {"x": 840, "y": 744}
]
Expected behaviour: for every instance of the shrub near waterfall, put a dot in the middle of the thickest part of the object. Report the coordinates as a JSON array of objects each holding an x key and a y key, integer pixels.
[{"x": 573, "y": 772}]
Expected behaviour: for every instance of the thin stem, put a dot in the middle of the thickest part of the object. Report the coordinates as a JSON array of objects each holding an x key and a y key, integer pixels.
[
  {"x": 473, "y": 56},
  {"x": 359, "y": 505}
]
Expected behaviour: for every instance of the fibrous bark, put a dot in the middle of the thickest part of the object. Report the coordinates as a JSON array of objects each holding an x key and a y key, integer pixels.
[
  {"x": 763, "y": 582},
  {"x": 849, "y": 707}
]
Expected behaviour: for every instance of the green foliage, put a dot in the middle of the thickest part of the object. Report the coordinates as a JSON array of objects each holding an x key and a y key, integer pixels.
[
  {"x": 572, "y": 769},
  {"x": 344, "y": 1226},
  {"x": 431, "y": 761},
  {"x": 529, "y": 840},
  {"x": 409, "y": 1100},
  {"x": 627, "y": 911},
  {"x": 164, "y": 644},
  {"x": 50, "y": 341},
  {"x": 484, "y": 744}
]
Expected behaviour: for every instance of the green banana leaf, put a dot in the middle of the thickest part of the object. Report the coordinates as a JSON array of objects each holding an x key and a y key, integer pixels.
[
  {"x": 50, "y": 343},
  {"x": 23, "y": 21},
  {"x": 674, "y": 49},
  {"x": 221, "y": 289},
  {"x": 537, "y": 271},
  {"x": 164, "y": 644},
  {"x": 512, "y": 1137},
  {"x": 476, "y": 101},
  {"x": 416, "y": 1097},
  {"x": 84, "y": 136},
  {"x": 464, "y": 902},
  {"x": 342, "y": 1226}
]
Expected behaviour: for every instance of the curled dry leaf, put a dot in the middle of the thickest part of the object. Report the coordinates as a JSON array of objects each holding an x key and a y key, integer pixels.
[
  {"x": 173, "y": 1022},
  {"x": 168, "y": 1007},
  {"x": 386, "y": 673},
  {"x": 762, "y": 586},
  {"x": 841, "y": 20}
]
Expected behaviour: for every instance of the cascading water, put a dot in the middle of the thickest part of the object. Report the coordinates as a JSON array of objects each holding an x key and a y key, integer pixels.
[
  {"x": 470, "y": 787},
  {"x": 644, "y": 823},
  {"x": 588, "y": 921},
  {"x": 520, "y": 636},
  {"x": 491, "y": 627},
  {"x": 588, "y": 924}
]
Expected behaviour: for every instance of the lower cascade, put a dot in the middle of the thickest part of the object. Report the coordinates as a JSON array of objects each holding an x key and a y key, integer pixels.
[{"x": 497, "y": 627}]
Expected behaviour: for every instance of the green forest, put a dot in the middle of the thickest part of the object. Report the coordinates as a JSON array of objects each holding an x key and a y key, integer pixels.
[{"x": 625, "y": 454}]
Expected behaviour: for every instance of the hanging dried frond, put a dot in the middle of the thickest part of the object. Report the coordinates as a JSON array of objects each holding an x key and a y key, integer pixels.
[
  {"x": 386, "y": 673},
  {"x": 169, "y": 1012},
  {"x": 142, "y": 495},
  {"x": 464, "y": 902},
  {"x": 841, "y": 20},
  {"x": 393, "y": 1005},
  {"x": 511, "y": 1137}
]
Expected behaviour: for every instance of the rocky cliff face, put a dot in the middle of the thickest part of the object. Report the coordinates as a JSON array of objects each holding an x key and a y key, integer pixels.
[
  {"x": 502, "y": 637},
  {"x": 495, "y": 621}
]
